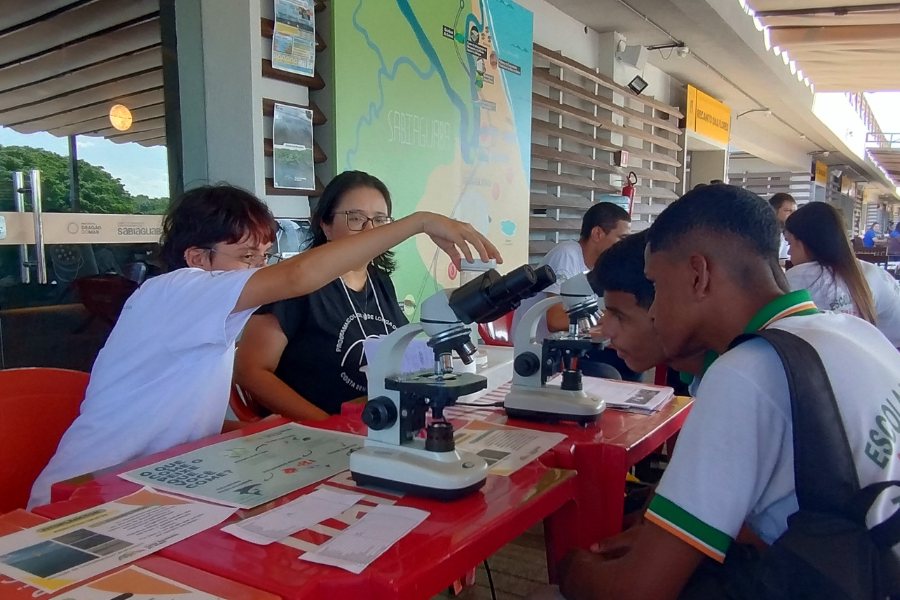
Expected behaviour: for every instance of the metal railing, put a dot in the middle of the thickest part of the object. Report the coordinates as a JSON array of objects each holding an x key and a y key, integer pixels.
[{"x": 882, "y": 140}]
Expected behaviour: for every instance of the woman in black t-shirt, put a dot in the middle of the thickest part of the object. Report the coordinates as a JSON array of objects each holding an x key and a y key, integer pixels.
[{"x": 301, "y": 357}]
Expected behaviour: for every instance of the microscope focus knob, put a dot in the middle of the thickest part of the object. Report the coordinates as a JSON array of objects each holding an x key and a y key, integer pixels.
[
  {"x": 379, "y": 413},
  {"x": 527, "y": 364}
]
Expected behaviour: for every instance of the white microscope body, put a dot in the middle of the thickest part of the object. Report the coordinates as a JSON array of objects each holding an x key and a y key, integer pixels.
[
  {"x": 535, "y": 363},
  {"x": 393, "y": 455}
]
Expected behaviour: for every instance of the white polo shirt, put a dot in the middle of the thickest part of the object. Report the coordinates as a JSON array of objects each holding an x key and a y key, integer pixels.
[
  {"x": 163, "y": 378},
  {"x": 831, "y": 294},
  {"x": 566, "y": 260},
  {"x": 734, "y": 461}
]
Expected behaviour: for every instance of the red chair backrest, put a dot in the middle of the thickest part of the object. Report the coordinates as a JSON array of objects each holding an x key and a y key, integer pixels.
[
  {"x": 499, "y": 332},
  {"x": 36, "y": 407},
  {"x": 243, "y": 406}
]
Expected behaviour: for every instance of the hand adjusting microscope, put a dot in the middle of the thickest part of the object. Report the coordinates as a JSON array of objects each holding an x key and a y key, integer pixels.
[
  {"x": 393, "y": 455},
  {"x": 530, "y": 397}
]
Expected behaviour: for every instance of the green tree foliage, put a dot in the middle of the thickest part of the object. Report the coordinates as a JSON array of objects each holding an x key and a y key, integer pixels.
[{"x": 99, "y": 192}]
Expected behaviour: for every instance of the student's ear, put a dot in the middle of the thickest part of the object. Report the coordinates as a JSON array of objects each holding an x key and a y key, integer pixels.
[
  {"x": 699, "y": 268},
  {"x": 197, "y": 257},
  {"x": 597, "y": 234}
]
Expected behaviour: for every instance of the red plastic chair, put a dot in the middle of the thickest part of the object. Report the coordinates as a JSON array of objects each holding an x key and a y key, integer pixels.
[
  {"x": 499, "y": 332},
  {"x": 243, "y": 406},
  {"x": 37, "y": 406}
]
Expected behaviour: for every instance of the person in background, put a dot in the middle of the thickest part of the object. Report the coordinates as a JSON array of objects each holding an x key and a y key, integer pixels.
[
  {"x": 871, "y": 234},
  {"x": 164, "y": 376},
  {"x": 603, "y": 225},
  {"x": 825, "y": 265},
  {"x": 893, "y": 244},
  {"x": 301, "y": 357},
  {"x": 710, "y": 257},
  {"x": 783, "y": 204}
]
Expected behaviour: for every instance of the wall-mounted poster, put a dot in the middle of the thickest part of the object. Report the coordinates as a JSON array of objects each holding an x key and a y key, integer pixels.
[
  {"x": 294, "y": 39},
  {"x": 434, "y": 98},
  {"x": 292, "y": 152}
]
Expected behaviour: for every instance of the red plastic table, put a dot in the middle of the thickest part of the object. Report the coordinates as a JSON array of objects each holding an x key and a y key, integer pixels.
[
  {"x": 601, "y": 453},
  {"x": 453, "y": 539}
]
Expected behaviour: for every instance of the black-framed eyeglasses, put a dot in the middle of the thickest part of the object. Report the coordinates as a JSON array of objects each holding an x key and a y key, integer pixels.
[
  {"x": 250, "y": 259},
  {"x": 356, "y": 220}
]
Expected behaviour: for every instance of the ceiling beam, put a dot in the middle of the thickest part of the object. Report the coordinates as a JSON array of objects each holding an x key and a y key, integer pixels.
[
  {"x": 789, "y": 37},
  {"x": 98, "y": 94},
  {"x": 127, "y": 136},
  {"x": 136, "y": 127},
  {"x": 829, "y": 10},
  {"x": 132, "y": 101},
  {"x": 98, "y": 123},
  {"x": 18, "y": 13},
  {"x": 83, "y": 79},
  {"x": 90, "y": 19}
]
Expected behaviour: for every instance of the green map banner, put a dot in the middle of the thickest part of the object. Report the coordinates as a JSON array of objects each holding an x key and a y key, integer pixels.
[{"x": 434, "y": 98}]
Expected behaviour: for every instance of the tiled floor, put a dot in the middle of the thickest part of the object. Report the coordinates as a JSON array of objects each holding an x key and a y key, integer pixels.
[{"x": 518, "y": 568}]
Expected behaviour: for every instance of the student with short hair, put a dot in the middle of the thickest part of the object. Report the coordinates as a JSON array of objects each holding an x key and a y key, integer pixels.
[
  {"x": 871, "y": 234},
  {"x": 618, "y": 276},
  {"x": 783, "y": 204},
  {"x": 164, "y": 376},
  {"x": 710, "y": 257},
  {"x": 824, "y": 264}
]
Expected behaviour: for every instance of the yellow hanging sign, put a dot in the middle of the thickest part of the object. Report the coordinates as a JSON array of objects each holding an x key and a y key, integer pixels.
[{"x": 707, "y": 116}]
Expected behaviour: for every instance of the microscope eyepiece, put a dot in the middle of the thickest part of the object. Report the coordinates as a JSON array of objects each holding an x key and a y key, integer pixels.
[{"x": 491, "y": 295}]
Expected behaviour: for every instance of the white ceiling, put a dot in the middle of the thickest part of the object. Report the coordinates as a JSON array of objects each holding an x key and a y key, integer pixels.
[{"x": 728, "y": 59}]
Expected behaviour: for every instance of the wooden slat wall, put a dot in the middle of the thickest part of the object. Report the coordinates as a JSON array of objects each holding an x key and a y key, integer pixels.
[
  {"x": 766, "y": 185},
  {"x": 268, "y": 104},
  {"x": 580, "y": 126}
]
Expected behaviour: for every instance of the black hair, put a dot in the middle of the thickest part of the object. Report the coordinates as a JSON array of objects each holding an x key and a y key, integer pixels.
[
  {"x": 780, "y": 199},
  {"x": 331, "y": 197},
  {"x": 621, "y": 269},
  {"x": 213, "y": 214},
  {"x": 734, "y": 213},
  {"x": 604, "y": 215},
  {"x": 820, "y": 228}
]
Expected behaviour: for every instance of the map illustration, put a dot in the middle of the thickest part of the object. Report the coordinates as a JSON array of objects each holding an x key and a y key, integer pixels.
[{"x": 434, "y": 98}]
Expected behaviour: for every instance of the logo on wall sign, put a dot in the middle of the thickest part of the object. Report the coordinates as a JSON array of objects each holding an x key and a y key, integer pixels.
[
  {"x": 90, "y": 229},
  {"x": 72, "y": 228}
]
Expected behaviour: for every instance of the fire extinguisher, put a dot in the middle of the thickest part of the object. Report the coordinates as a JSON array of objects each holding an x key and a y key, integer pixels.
[{"x": 628, "y": 189}]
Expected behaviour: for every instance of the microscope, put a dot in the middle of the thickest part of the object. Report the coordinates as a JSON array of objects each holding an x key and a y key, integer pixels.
[
  {"x": 394, "y": 456},
  {"x": 530, "y": 397}
]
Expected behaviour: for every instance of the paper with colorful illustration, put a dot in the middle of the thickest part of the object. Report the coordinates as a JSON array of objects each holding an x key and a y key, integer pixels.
[
  {"x": 252, "y": 470},
  {"x": 505, "y": 448},
  {"x": 66, "y": 551},
  {"x": 294, "y": 37},
  {"x": 134, "y": 583}
]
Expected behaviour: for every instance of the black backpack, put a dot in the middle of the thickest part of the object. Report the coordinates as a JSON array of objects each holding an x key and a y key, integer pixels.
[{"x": 827, "y": 552}]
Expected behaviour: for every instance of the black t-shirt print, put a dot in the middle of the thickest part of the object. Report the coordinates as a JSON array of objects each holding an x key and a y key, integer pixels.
[{"x": 324, "y": 350}]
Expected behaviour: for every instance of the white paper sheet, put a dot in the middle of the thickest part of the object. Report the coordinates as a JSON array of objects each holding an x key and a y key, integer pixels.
[
  {"x": 305, "y": 511},
  {"x": 625, "y": 395},
  {"x": 65, "y": 551},
  {"x": 505, "y": 448},
  {"x": 359, "y": 545}
]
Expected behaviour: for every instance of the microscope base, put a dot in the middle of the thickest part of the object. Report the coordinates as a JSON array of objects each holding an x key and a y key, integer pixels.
[
  {"x": 552, "y": 405},
  {"x": 419, "y": 472}
]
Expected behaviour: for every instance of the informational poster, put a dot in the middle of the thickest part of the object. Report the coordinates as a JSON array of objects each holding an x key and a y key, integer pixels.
[
  {"x": 292, "y": 151},
  {"x": 65, "y": 551},
  {"x": 434, "y": 98},
  {"x": 134, "y": 583},
  {"x": 506, "y": 449},
  {"x": 254, "y": 469},
  {"x": 294, "y": 39}
]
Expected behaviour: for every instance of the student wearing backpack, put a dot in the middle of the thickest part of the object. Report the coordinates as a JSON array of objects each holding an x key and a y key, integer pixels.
[
  {"x": 710, "y": 256},
  {"x": 164, "y": 376}
]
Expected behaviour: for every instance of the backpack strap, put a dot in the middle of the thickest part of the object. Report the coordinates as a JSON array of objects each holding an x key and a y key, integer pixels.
[
  {"x": 887, "y": 533},
  {"x": 818, "y": 431}
]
